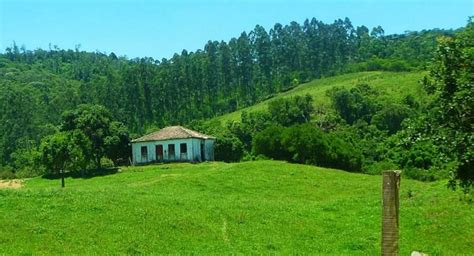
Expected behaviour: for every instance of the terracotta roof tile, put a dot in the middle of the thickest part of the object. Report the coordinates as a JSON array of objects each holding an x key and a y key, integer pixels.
[{"x": 172, "y": 132}]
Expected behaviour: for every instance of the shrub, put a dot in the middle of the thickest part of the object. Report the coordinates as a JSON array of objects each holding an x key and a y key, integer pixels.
[
  {"x": 106, "y": 163},
  {"x": 309, "y": 145},
  {"x": 289, "y": 111},
  {"x": 28, "y": 172},
  {"x": 390, "y": 118},
  {"x": 6, "y": 173},
  {"x": 343, "y": 155},
  {"x": 268, "y": 143},
  {"x": 378, "y": 167},
  {"x": 306, "y": 144},
  {"x": 422, "y": 174},
  {"x": 354, "y": 104},
  {"x": 228, "y": 148}
]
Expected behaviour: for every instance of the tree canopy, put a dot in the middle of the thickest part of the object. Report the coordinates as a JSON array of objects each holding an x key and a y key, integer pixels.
[{"x": 90, "y": 103}]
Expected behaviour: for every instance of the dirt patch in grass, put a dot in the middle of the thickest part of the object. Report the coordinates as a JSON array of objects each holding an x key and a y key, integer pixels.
[{"x": 11, "y": 184}]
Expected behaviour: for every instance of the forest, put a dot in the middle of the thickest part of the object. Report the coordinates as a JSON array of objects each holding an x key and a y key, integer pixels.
[{"x": 52, "y": 99}]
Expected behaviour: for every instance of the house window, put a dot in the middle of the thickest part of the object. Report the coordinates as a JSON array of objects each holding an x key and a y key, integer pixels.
[
  {"x": 183, "y": 147},
  {"x": 144, "y": 151}
]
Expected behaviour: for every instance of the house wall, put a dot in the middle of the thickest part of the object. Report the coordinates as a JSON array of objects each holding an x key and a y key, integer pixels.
[
  {"x": 196, "y": 146},
  {"x": 191, "y": 154},
  {"x": 209, "y": 152},
  {"x": 193, "y": 150}
]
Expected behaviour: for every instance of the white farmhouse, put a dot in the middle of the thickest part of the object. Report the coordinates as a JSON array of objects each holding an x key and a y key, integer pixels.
[{"x": 174, "y": 143}]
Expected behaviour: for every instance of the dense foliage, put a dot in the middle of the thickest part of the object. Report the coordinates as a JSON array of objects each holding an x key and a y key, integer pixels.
[
  {"x": 40, "y": 92},
  {"x": 368, "y": 131},
  {"x": 451, "y": 120},
  {"x": 87, "y": 137},
  {"x": 309, "y": 145}
]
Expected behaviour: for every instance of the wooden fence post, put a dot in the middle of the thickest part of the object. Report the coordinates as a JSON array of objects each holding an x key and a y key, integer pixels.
[{"x": 390, "y": 224}]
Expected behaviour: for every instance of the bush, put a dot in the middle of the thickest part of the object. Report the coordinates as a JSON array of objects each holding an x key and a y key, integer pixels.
[
  {"x": 423, "y": 174},
  {"x": 26, "y": 163},
  {"x": 6, "y": 173},
  {"x": 249, "y": 156},
  {"x": 390, "y": 118},
  {"x": 268, "y": 143},
  {"x": 343, "y": 155},
  {"x": 106, "y": 163},
  {"x": 289, "y": 111},
  {"x": 378, "y": 167},
  {"x": 418, "y": 157},
  {"x": 228, "y": 148},
  {"x": 307, "y": 144},
  {"x": 28, "y": 172},
  {"x": 355, "y": 103}
]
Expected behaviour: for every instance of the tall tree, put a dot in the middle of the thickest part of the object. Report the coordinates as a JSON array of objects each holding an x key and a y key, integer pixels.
[
  {"x": 95, "y": 122},
  {"x": 451, "y": 78}
]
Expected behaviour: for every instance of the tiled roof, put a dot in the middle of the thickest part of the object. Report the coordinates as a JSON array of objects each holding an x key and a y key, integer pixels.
[{"x": 172, "y": 132}]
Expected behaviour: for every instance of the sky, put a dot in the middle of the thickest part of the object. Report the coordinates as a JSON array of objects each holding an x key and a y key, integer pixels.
[{"x": 159, "y": 29}]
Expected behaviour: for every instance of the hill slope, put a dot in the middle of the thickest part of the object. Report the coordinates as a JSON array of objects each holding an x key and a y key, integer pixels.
[
  {"x": 392, "y": 84},
  {"x": 249, "y": 207}
]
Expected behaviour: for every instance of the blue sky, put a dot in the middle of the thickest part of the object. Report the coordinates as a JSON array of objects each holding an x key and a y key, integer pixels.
[{"x": 160, "y": 28}]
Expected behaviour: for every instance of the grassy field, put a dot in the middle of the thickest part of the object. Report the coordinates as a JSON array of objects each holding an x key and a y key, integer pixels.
[
  {"x": 390, "y": 84},
  {"x": 251, "y": 207}
]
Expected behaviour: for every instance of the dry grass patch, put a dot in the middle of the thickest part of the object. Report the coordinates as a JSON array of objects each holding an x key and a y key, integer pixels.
[{"x": 11, "y": 184}]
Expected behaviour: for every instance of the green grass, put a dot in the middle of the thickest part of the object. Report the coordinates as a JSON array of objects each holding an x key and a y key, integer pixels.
[
  {"x": 390, "y": 84},
  {"x": 251, "y": 207}
]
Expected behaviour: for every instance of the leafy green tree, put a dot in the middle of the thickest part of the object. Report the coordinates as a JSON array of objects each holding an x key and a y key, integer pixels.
[
  {"x": 354, "y": 104},
  {"x": 58, "y": 152},
  {"x": 117, "y": 143},
  {"x": 18, "y": 118},
  {"x": 37, "y": 86},
  {"x": 250, "y": 124},
  {"x": 26, "y": 162},
  {"x": 81, "y": 143},
  {"x": 307, "y": 144},
  {"x": 106, "y": 136},
  {"x": 296, "y": 110},
  {"x": 261, "y": 45},
  {"x": 390, "y": 118},
  {"x": 228, "y": 148},
  {"x": 269, "y": 143},
  {"x": 451, "y": 78}
]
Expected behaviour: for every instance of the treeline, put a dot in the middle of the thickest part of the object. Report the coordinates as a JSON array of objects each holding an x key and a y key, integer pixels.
[
  {"x": 365, "y": 131},
  {"x": 37, "y": 86},
  {"x": 86, "y": 141},
  {"x": 350, "y": 136},
  {"x": 223, "y": 76}
]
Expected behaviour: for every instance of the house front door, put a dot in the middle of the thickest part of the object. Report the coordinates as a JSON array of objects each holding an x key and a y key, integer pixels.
[
  {"x": 203, "y": 153},
  {"x": 171, "y": 152},
  {"x": 144, "y": 154},
  {"x": 159, "y": 152}
]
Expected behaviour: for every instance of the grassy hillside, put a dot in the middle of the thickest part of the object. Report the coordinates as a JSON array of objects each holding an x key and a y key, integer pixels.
[
  {"x": 394, "y": 85},
  {"x": 249, "y": 207}
]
